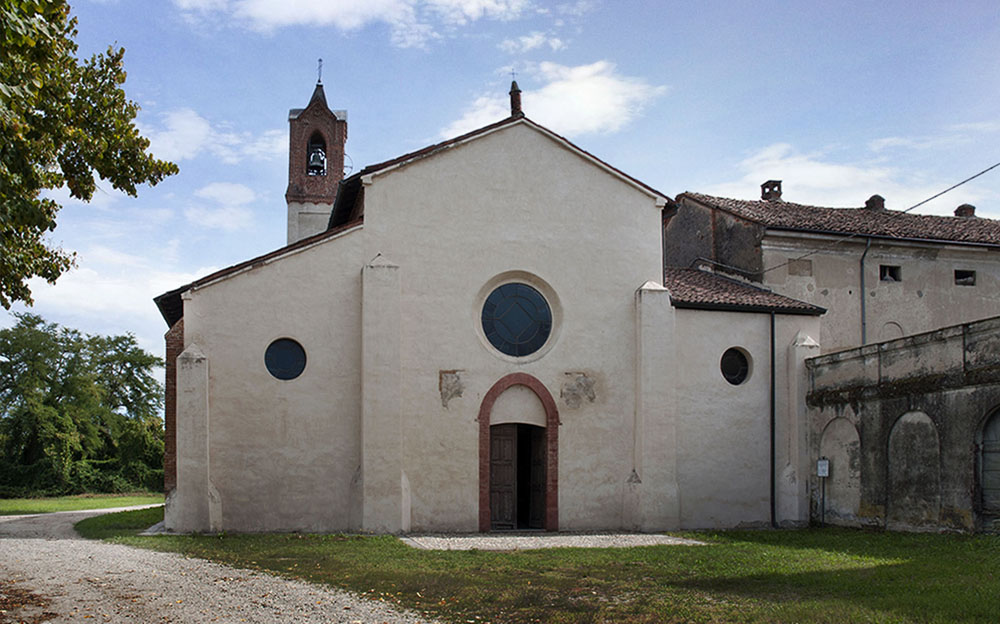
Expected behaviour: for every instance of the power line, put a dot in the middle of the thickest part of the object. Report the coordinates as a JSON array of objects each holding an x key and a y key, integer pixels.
[{"x": 856, "y": 234}]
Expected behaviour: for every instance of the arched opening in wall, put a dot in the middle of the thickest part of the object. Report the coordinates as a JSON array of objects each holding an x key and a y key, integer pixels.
[
  {"x": 842, "y": 446},
  {"x": 518, "y": 456},
  {"x": 989, "y": 466},
  {"x": 890, "y": 331},
  {"x": 316, "y": 155},
  {"x": 914, "y": 485}
]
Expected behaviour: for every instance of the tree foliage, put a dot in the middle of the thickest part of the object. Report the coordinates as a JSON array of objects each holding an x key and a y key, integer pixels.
[
  {"x": 61, "y": 121},
  {"x": 77, "y": 412}
]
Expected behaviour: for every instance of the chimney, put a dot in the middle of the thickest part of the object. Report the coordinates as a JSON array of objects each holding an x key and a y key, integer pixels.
[
  {"x": 875, "y": 202},
  {"x": 965, "y": 210},
  {"x": 515, "y": 100},
  {"x": 771, "y": 190}
]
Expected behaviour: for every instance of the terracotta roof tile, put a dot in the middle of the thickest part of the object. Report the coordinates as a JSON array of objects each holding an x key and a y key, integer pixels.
[
  {"x": 861, "y": 221},
  {"x": 694, "y": 288}
]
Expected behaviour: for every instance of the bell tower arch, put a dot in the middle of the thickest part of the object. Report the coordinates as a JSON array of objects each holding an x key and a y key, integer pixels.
[{"x": 316, "y": 138}]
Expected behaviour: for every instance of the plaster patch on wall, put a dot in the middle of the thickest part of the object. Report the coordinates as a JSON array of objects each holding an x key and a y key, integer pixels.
[
  {"x": 576, "y": 389},
  {"x": 450, "y": 385}
]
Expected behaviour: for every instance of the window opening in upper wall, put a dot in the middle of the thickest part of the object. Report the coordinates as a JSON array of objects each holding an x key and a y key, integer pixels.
[
  {"x": 316, "y": 155},
  {"x": 516, "y": 319},
  {"x": 735, "y": 366},
  {"x": 285, "y": 359},
  {"x": 890, "y": 273},
  {"x": 964, "y": 277}
]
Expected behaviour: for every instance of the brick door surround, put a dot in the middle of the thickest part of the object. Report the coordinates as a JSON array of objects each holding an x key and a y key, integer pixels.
[{"x": 551, "y": 447}]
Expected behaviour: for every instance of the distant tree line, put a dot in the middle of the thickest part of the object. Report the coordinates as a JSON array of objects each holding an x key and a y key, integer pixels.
[{"x": 78, "y": 413}]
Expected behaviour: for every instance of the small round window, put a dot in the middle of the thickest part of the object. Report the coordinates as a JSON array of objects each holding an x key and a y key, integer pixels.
[
  {"x": 285, "y": 358},
  {"x": 517, "y": 319},
  {"x": 735, "y": 366}
]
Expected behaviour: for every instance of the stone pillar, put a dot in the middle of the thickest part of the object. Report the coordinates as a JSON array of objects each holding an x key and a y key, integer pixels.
[
  {"x": 194, "y": 505},
  {"x": 174, "y": 339},
  {"x": 383, "y": 509},
  {"x": 794, "y": 464},
  {"x": 653, "y": 483}
]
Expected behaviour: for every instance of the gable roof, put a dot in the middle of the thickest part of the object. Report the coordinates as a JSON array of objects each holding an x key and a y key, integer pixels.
[
  {"x": 783, "y": 215},
  {"x": 349, "y": 192},
  {"x": 702, "y": 290},
  {"x": 342, "y": 210}
]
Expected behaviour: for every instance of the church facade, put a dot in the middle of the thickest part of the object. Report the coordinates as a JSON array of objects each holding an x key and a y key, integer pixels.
[{"x": 480, "y": 335}]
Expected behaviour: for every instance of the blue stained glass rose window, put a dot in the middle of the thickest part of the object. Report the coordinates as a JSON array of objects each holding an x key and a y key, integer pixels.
[
  {"x": 285, "y": 358},
  {"x": 517, "y": 319}
]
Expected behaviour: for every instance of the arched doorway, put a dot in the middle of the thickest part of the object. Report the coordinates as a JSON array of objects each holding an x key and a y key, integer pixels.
[
  {"x": 841, "y": 445},
  {"x": 914, "y": 488},
  {"x": 989, "y": 461},
  {"x": 518, "y": 462}
]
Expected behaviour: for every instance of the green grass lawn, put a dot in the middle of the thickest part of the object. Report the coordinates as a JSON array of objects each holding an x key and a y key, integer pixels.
[
  {"x": 21, "y": 506},
  {"x": 820, "y": 575}
]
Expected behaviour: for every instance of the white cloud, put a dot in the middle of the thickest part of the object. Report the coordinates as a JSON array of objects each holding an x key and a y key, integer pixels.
[
  {"x": 576, "y": 9},
  {"x": 816, "y": 180},
  {"x": 104, "y": 196},
  {"x": 573, "y": 101},
  {"x": 526, "y": 43},
  {"x": 230, "y": 211},
  {"x": 184, "y": 134},
  {"x": 952, "y": 136},
  {"x": 111, "y": 290},
  {"x": 463, "y": 11},
  {"x": 227, "y": 193},
  {"x": 411, "y": 22},
  {"x": 977, "y": 127}
]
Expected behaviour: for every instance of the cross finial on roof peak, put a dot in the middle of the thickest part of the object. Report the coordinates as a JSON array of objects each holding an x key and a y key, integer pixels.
[{"x": 515, "y": 99}]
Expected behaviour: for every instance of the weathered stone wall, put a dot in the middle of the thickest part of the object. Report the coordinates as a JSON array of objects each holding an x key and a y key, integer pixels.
[
  {"x": 697, "y": 232},
  {"x": 902, "y": 424},
  {"x": 925, "y": 298}
]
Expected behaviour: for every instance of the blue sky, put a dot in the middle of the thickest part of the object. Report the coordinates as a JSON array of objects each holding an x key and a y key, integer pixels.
[{"x": 839, "y": 100}]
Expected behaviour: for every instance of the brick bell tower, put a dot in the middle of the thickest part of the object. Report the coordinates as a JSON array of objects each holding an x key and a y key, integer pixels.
[{"x": 316, "y": 137}]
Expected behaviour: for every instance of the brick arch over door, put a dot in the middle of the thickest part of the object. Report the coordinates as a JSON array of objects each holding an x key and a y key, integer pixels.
[{"x": 551, "y": 447}]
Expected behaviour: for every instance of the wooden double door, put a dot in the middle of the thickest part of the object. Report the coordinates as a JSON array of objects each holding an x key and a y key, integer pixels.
[{"x": 517, "y": 477}]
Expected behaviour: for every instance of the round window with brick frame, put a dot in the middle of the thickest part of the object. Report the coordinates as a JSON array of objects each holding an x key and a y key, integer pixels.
[
  {"x": 735, "y": 366},
  {"x": 516, "y": 319},
  {"x": 285, "y": 359}
]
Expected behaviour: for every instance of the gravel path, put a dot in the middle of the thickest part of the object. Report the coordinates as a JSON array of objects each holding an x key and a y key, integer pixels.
[
  {"x": 543, "y": 540},
  {"x": 49, "y": 574}
]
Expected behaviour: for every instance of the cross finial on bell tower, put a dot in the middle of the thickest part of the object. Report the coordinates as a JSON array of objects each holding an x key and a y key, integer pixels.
[{"x": 316, "y": 138}]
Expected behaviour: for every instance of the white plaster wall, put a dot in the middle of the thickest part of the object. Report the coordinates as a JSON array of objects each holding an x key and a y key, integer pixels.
[
  {"x": 284, "y": 453},
  {"x": 518, "y": 404},
  {"x": 514, "y": 200},
  {"x": 511, "y": 205},
  {"x": 927, "y": 298},
  {"x": 306, "y": 219},
  {"x": 723, "y": 431}
]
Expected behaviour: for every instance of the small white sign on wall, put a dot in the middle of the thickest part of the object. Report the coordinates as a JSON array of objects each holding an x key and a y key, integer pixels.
[{"x": 823, "y": 467}]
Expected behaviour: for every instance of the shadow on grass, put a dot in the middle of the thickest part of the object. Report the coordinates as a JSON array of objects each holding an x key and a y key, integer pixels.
[{"x": 918, "y": 577}]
